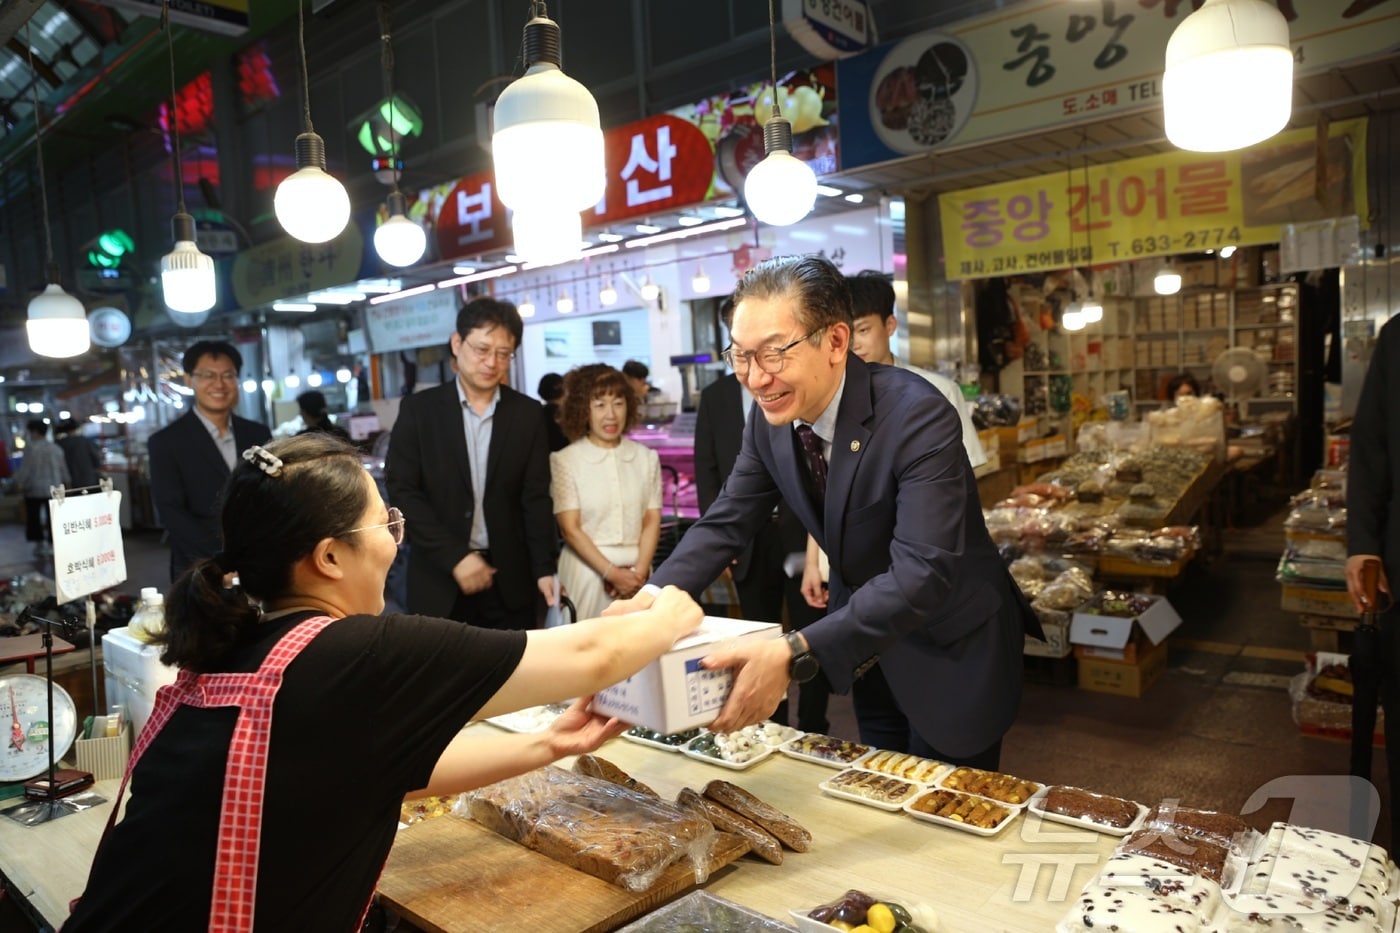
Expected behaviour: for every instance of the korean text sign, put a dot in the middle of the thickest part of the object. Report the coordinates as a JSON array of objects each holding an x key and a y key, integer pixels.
[
  {"x": 1043, "y": 64},
  {"x": 87, "y": 544},
  {"x": 1157, "y": 205}
]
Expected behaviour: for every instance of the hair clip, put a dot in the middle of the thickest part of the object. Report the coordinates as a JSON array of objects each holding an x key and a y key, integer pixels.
[{"x": 264, "y": 460}]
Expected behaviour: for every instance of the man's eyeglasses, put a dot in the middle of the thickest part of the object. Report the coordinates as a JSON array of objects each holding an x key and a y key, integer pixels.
[
  {"x": 769, "y": 359},
  {"x": 485, "y": 353},
  {"x": 395, "y": 524},
  {"x": 206, "y": 375}
]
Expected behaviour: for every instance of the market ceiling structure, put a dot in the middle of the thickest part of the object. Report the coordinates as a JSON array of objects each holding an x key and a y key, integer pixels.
[{"x": 122, "y": 76}]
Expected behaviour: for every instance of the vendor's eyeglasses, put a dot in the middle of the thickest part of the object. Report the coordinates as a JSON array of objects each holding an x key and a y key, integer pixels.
[{"x": 395, "y": 524}]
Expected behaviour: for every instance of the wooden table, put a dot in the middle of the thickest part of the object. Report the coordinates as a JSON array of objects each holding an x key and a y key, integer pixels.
[
  {"x": 1021, "y": 880},
  {"x": 47, "y": 865},
  {"x": 29, "y": 648}
]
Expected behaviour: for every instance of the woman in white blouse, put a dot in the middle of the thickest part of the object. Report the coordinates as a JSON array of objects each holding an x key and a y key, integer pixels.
[{"x": 607, "y": 492}]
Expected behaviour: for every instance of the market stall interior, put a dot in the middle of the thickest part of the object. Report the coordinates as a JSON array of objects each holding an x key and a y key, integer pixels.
[{"x": 1160, "y": 345}]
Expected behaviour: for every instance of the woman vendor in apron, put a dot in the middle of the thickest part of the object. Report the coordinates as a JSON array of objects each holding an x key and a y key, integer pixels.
[{"x": 265, "y": 790}]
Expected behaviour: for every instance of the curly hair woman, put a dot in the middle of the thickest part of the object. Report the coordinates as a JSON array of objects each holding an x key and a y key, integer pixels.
[{"x": 606, "y": 490}]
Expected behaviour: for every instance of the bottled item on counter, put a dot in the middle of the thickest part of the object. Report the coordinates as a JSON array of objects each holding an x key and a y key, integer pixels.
[{"x": 149, "y": 620}]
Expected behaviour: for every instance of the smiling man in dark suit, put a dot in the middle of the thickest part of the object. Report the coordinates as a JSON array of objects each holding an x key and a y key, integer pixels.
[
  {"x": 468, "y": 464},
  {"x": 192, "y": 457},
  {"x": 924, "y": 623}
]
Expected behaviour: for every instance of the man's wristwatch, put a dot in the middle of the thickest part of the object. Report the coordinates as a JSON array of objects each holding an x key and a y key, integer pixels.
[{"x": 803, "y": 666}]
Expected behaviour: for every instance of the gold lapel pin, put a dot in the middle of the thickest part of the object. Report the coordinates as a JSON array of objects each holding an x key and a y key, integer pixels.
[{"x": 855, "y": 447}]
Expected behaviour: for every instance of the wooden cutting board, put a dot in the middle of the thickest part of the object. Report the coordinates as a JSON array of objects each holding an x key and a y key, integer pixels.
[{"x": 451, "y": 874}]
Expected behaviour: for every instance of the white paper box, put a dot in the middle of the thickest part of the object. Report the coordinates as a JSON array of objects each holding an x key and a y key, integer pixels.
[
  {"x": 133, "y": 673},
  {"x": 1113, "y": 632},
  {"x": 674, "y": 692}
]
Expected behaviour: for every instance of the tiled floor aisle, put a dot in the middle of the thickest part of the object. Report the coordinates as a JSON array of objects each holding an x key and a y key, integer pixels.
[{"x": 1214, "y": 729}]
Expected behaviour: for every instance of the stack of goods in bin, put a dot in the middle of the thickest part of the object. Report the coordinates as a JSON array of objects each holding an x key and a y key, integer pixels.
[
  {"x": 1193, "y": 870},
  {"x": 1313, "y": 566},
  {"x": 1322, "y": 697},
  {"x": 1104, "y": 480}
]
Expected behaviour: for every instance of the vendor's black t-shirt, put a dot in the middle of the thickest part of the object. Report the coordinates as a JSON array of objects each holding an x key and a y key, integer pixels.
[{"x": 362, "y": 716}]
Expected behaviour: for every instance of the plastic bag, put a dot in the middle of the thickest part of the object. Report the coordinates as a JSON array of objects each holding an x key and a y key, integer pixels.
[{"x": 613, "y": 833}]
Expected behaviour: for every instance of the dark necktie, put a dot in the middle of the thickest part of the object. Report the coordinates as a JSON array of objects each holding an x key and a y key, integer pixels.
[{"x": 816, "y": 461}]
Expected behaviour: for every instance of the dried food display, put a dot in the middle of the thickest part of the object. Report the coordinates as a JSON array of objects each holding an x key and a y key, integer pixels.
[
  {"x": 881, "y": 790},
  {"x": 825, "y": 749},
  {"x": 611, "y": 832},
  {"x": 976, "y": 812},
  {"x": 993, "y": 784},
  {"x": 1086, "y": 805},
  {"x": 909, "y": 767}
]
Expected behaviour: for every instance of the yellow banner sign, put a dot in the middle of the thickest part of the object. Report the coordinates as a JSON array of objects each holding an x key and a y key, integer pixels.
[{"x": 1176, "y": 202}]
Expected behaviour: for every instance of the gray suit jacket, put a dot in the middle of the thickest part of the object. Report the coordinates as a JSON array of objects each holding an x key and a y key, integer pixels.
[{"x": 916, "y": 582}]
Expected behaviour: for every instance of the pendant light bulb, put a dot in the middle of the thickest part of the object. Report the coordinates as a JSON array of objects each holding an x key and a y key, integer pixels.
[
  {"x": 186, "y": 273},
  {"x": 565, "y": 304},
  {"x": 1091, "y": 311},
  {"x": 607, "y": 296},
  {"x": 1073, "y": 318},
  {"x": 547, "y": 144},
  {"x": 1167, "y": 281},
  {"x": 398, "y": 240},
  {"x": 650, "y": 290},
  {"x": 57, "y": 324},
  {"x": 311, "y": 205},
  {"x": 701, "y": 283},
  {"x": 1226, "y": 52},
  {"x": 782, "y": 188},
  {"x": 526, "y": 307},
  {"x": 547, "y": 237}
]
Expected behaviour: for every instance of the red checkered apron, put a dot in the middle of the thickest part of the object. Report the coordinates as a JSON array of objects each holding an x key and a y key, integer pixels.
[{"x": 240, "y": 816}]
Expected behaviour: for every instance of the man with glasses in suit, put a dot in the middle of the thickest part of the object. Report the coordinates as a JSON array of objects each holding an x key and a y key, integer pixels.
[
  {"x": 192, "y": 458},
  {"x": 468, "y": 463},
  {"x": 924, "y": 624}
]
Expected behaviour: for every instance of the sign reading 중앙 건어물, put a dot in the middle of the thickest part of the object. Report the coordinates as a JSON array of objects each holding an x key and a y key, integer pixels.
[{"x": 1175, "y": 202}]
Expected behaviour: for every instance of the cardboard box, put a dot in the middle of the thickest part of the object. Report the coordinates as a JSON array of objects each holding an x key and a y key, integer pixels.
[
  {"x": 1120, "y": 678},
  {"x": 1197, "y": 274},
  {"x": 1056, "y": 445},
  {"x": 1033, "y": 451},
  {"x": 133, "y": 675},
  {"x": 1110, "y": 635},
  {"x": 674, "y": 692},
  {"x": 1319, "y": 602},
  {"x": 991, "y": 442},
  {"x": 1055, "y": 645}
]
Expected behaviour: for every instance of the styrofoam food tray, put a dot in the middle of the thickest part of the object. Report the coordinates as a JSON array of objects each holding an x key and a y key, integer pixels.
[
  {"x": 1010, "y": 806},
  {"x": 1036, "y": 805},
  {"x": 651, "y": 743},
  {"x": 893, "y": 806},
  {"x": 530, "y": 719},
  {"x": 857, "y": 750},
  {"x": 955, "y": 824},
  {"x": 760, "y": 753}
]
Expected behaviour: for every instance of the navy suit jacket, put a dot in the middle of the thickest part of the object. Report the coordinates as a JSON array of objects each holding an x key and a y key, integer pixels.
[
  {"x": 429, "y": 478},
  {"x": 916, "y": 582},
  {"x": 187, "y": 482}
]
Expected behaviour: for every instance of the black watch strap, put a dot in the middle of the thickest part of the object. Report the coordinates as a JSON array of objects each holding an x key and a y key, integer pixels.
[{"x": 804, "y": 665}]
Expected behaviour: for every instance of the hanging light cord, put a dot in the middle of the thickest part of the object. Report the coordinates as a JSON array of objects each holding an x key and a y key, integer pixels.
[
  {"x": 387, "y": 63},
  {"x": 305, "y": 76},
  {"x": 174, "y": 107},
  {"x": 39, "y": 146},
  {"x": 1088, "y": 220},
  {"x": 773, "y": 57}
]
